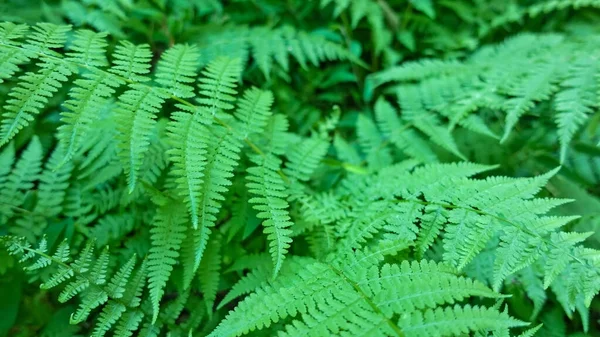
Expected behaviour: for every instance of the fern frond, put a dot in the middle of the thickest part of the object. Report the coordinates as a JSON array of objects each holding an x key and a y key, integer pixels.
[
  {"x": 7, "y": 158},
  {"x": 268, "y": 45},
  {"x": 209, "y": 272},
  {"x": 411, "y": 71},
  {"x": 517, "y": 77},
  {"x": 11, "y": 58},
  {"x": 221, "y": 158},
  {"x": 30, "y": 96},
  {"x": 45, "y": 37},
  {"x": 132, "y": 61},
  {"x": 415, "y": 114},
  {"x": 167, "y": 236},
  {"x": 253, "y": 111},
  {"x": 353, "y": 294},
  {"x": 270, "y": 202},
  {"x": 536, "y": 85},
  {"x": 112, "y": 227},
  {"x": 469, "y": 212},
  {"x": 575, "y": 101},
  {"x": 372, "y": 144},
  {"x": 217, "y": 86},
  {"x": 89, "y": 95},
  {"x": 560, "y": 254},
  {"x": 304, "y": 158},
  {"x": 21, "y": 178},
  {"x": 534, "y": 288},
  {"x": 89, "y": 48},
  {"x": 457, "y": 320},
  {"x": 87, "y": 279},
  {"x": 177, "y": 68},
  {"x": 129, "y": 323},
  {"x": 247, "y": 284},
  {"x": 54, "y": 181},
  {"x": 432, "y": 220},
  {"x": 137, "y": 113},
  {"x": 189, "y": 136},
  {"x": 400, "y": 134}
]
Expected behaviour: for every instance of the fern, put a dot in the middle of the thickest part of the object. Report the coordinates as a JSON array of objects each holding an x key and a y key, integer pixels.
[
  {"x": 11, "y": 57},
  {"x": 88, "y": 97},
  {"x": 354, "y": 294},
  {"x": 511, "y": 77},
  {"x": 21, "y": 178},
  {"x": 209, "y": 271},
  {"x": 137, "y": 112},
  {"x": 27, "y": 99},
  {"x": 167, "y": 236},
  {"x": 267, "y": 185},
  {"x": 131, "y": 61},
  {"x": 176, "y": 68},
  {"x": 268, "y": 190},
  {"x": 85, "y": 277},
  {"x": 218, "y": 84},
  {"x": 268, "y": 46}
]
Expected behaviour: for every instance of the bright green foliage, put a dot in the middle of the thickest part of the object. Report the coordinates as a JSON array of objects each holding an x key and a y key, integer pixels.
[
  {"x": 268, "y": 46},
  {"x": 299, "y": 168},
  {"x": 354, "y": 294},
  {"x": 176, "y": 68},
  {"x": 20, "y": 179},
  {"x": 269, "y": 201},
  {"x": 167, "y": 236},
  {"x": 85, "y": 277},
  {"x": 512, "y": 78}
]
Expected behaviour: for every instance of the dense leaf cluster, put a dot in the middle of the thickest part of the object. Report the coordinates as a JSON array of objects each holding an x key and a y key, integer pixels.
[{"x": 299, "y": 168}]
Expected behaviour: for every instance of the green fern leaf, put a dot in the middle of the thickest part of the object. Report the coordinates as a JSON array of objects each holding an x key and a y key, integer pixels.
[
  {"x": 10, "y": 55},
  {"x": 167, "y": 235},
  {"x": 45, "y": 37},
  {"x": 7, "y": 158},
  {"x": 137, "y": 113},
  {"x": 176, "y": 68},
  {"x": 221, "y": 158},
  {"x": 132, "y": 61},
  {"x": 457, "y": 320},
  {"x": 353, "y": 295},
  {"x": 559, "y": 254},
  {"x": 54, "y": 181},
  {"x": 87, "y": 97},
  {"x": 89, "y": 49},
  {"x": 21, "y": 178},
  {"x": 269, "y": 188},
  {"x": 31, "y": 95},
  {"x": 537, "y": 85},
  {"x": 431, "y": 224},
  {"x": 415, "y": 114},
  {"x": 217, "y": 86},
  {"x": 305, "y": 157},
  {"x": 190, "y": 136},
  {"x": 129, "y": 323},
  {"x": 108, "y": 317},
  {"x": 268, "y": 45},
  {"x": 253, "y": 111},
  {"x": 575, "y": 101},
  {"x": 209, "y": 272}
]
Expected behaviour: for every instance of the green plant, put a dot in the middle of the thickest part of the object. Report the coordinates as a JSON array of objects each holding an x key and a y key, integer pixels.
[{"x": 196, "y": 168}]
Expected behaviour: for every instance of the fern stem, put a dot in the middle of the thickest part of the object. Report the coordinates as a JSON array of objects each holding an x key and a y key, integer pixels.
[{"x": 367, "y": 299}]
